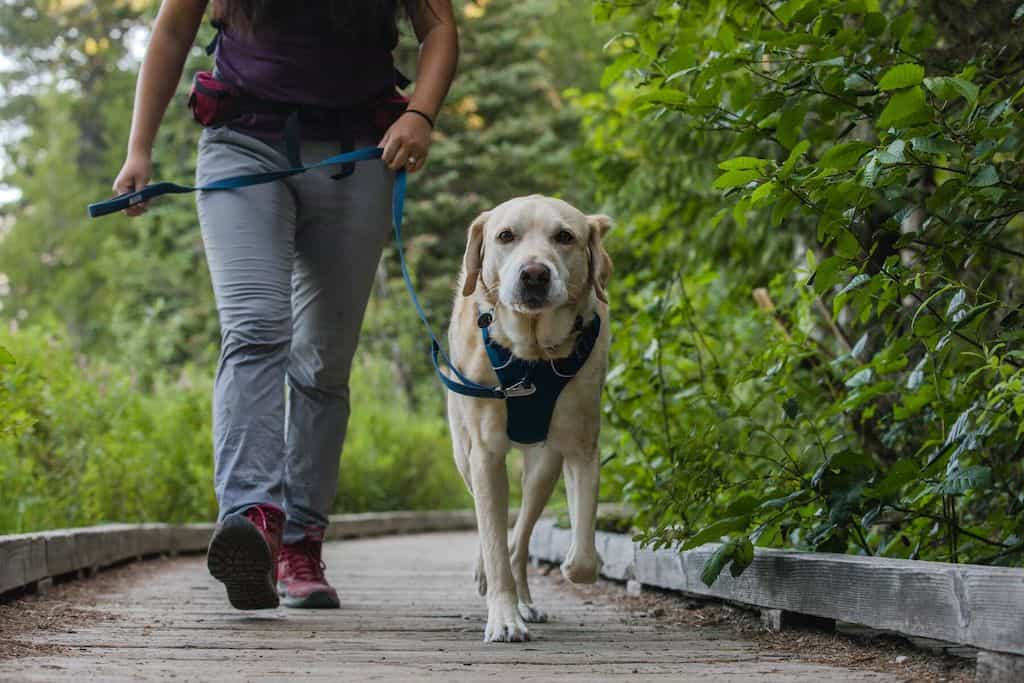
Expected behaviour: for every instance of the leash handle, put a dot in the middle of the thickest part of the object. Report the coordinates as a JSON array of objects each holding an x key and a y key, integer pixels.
[{"x": 129, "y": 199}]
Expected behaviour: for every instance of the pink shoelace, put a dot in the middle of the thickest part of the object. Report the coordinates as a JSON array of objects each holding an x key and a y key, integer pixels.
[
  {"x": 265, "y": 517},
  {"x": 303, "y": 560}
]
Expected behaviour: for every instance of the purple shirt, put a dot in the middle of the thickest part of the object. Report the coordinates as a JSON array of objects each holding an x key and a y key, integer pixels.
[{"x": 304, "y": 61}]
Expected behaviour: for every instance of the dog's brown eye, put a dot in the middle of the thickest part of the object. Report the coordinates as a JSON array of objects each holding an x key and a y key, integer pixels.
[
  {"x": 506, "y": 236},
  {"x": 564, "y": 237}
]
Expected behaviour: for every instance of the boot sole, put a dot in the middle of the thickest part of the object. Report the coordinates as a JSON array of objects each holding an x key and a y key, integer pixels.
[
  {"x": 239, "y": 558},
  {"x": 315, "y": 600}
]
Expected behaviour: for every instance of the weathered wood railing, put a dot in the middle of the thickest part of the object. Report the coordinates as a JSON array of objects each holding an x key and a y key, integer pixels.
[
  {"x": 964, "y": 604},
  {"x": 28, "y": 559}
]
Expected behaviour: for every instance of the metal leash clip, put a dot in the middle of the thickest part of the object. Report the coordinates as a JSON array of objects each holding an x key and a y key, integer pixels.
[{"x": 521, "y": 388}]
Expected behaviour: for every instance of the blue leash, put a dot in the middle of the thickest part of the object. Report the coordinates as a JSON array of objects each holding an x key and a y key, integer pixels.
[{"x": 464, "y": 386}]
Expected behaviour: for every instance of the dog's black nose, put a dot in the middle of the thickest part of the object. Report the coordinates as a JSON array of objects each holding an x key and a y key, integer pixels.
[{"x": 535, "y": 275}]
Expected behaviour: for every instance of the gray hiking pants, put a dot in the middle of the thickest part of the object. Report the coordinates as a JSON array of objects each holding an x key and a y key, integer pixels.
[{"x": 292, "y": 264}]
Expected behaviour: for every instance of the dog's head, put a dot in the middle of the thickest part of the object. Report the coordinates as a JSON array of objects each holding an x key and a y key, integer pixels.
[{"x": 535, "y": 253}]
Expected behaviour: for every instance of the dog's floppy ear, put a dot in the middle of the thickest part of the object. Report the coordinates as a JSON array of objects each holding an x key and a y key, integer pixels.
[
  {"x": 600, "y": 262},
  {"x": 473, "y": 260}
]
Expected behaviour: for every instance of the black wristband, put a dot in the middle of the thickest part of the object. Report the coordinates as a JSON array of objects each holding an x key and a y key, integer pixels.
[{"x": 417, "y": 111}]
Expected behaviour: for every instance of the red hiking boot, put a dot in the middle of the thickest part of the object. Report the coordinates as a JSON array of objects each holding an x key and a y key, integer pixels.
[
  {"x": 243, "y": 556},
  {"x": 300, "y": 574}
]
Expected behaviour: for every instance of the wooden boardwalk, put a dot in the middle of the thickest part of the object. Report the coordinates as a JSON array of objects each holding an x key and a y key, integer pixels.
[{"x": 410, "y": 612}]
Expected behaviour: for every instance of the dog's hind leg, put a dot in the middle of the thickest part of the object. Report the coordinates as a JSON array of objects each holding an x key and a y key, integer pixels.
[
  {"x": 582, "y": 479},
  {"x": 460, "y": 446},
  {"x": 541, "y": 467}
]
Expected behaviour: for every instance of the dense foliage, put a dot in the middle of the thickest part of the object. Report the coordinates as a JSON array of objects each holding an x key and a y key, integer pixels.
[
  {"x": 81, "y": 444},
  {"x": 133, "y": 296},
  {"x": 822, "y": 246},
  {"x": 819, "y": 248}
]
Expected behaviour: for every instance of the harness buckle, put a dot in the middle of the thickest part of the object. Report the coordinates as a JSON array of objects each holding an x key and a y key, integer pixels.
[{"x": 521, "y": 388}]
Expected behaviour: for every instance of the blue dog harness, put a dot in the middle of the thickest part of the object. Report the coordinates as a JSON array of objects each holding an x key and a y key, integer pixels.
[{"x": 530, "y": 388}]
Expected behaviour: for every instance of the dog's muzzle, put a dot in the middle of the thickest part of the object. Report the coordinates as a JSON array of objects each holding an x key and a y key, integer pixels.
[{"x": 534, "y": 285}]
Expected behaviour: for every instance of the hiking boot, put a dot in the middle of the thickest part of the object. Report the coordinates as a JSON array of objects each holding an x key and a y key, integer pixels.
[
  {"x": 300, "y": 573},
  {"x": 243, "y": 556}
]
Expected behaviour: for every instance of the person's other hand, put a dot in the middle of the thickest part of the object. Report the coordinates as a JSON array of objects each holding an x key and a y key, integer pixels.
[
  {"x": 406, "y": 143},
  {"x": 134, "y": 175}
]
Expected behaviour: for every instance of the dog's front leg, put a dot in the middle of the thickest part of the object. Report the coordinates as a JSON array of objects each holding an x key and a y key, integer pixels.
[
  {"x": 490, "y": 498},
  {"x": 541, "y": 467},
  {"x": 582, "y": 478}
]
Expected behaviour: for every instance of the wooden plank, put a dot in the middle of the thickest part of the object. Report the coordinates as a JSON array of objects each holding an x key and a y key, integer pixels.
[
  {"x": 22, "y": 561},
  {"x": 410, "y": 611},
  {"x": 61, "y": 552},
  {"x": 965, "y": 604}
]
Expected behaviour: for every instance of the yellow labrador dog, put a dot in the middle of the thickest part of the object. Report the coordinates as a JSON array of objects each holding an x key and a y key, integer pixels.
[{"x": 534, "y": 278}]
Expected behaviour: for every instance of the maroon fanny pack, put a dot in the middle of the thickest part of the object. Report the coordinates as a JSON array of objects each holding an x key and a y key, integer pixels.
[{"x": 214, "y": 102}]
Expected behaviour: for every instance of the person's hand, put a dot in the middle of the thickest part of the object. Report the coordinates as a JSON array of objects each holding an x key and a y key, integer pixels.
[
  {"x": 406, "y": 142},
  {"x": 134, "y": 175}
]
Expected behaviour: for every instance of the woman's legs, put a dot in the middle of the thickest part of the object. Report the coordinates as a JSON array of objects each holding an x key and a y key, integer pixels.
[{"x": 342, "y": 226}]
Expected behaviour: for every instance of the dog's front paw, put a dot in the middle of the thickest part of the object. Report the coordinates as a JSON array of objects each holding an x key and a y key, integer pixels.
[
  {"x": 504, "y": 624},
  {"x": 581, "y": 567},
  {"x": 532, "y": 614}
]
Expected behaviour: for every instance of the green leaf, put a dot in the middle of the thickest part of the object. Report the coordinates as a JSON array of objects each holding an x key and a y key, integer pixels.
[
  {"x": 916, "y": 377},
  {"x": 901, "y": 472},
  {"x": 827, "y": 274},
  {"x": 765, "y": 190},
  {"x": 870, "y": 174},
  {"x": 965, "y": 479},
  {"x": 785, "y": 500},
  {"x": 906, "y": 106},
  {"x": 614, "y": 71},
  {"x": 859, "y": 280},
  {"x": 715, "y": 531},
  {"x": 744, "y": 164},
  {"x": 901, "y": 76},
  {"x": 949, "y": 88},
  {"x": 959, "y": 301},
  {"x": 743, "y": 505},
  {"x": 742, "y": 556},
  {"x": 860, "y": 378},
  {"x": 986, "y": 177},
  {"x": 790, "y": 125},
  {"x": 731, "y": 179},
  {"x": 5, "y": 357},
  {"x": 716, "y": 563},
  {"x": 843, "y": 156},
  {"x": 667, "y": 96},
  {"x": 934, "y": 145},
  {"x": 787, "y": 10},
  {"x": 794, "y": 156}
]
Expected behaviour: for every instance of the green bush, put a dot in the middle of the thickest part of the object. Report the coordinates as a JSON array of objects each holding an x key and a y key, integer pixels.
[
  {"x": 81, "y": 444},
  {"x": 821, "y": 250},
  {"x": 394, "y": 458}
]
